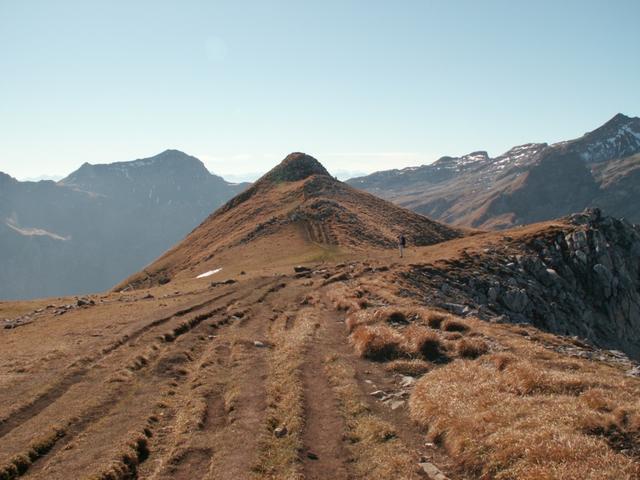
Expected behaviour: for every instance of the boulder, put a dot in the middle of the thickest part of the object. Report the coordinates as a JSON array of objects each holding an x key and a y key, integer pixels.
[{"x": 515, "y": 299}]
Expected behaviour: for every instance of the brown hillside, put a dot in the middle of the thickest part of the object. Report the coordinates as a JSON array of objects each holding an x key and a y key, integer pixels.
[
  {"x": 352, "y": 369},
  {"x": 324, "y": 356},
  {"x": 297, "y": 207}
]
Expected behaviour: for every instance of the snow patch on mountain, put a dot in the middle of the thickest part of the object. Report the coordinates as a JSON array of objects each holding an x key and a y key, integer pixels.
[{"x": 34, "y": 232}]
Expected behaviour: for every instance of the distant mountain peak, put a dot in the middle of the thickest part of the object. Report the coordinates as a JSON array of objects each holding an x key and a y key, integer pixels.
[
  {"x": 168, "y": 156},
  {"x": 172, "y": 151},
  {"x": 618, "y": 118},
  {"x": 166, "y": 163},
  {"x": 296, "y": 166},
  {"x": 528, "y": 183},
  {"x": 617, "y": 122},
  {"x": 478, "y": 154},
  {"x": 617, "y": 138}
]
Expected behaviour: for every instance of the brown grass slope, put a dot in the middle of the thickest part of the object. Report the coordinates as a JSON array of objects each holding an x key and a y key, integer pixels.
[
  {"x": 353, "y": 369},
  {"x": 296, "y": 207},
  {"x": 345, "y": 372}
]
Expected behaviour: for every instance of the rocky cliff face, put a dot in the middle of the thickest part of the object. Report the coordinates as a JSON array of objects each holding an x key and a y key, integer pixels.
[{"x": 581, "y": 277}]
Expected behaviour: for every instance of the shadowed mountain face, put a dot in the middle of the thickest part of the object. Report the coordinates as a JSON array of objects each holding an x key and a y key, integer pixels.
[
  {"x": 529, "y": 183},
  {"x": 297, "y": 205},
  {"x": 101, "y": 223}
]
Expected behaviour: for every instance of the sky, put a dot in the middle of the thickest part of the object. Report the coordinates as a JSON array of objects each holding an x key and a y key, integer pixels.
[{"x": 360, "y": 85}]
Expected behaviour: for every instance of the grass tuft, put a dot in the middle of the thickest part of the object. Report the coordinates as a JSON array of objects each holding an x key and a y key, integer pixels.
[
  {"x": 378, "y": 342},
  {"x": 424, "y": 342},
  {"x": 453, "y": 325},
  {"x": 435, "y": 319},
  {"x": 414, "y": 367},
  {"x": 471, "y": 348},
  {"x": 20, "y": 464}
]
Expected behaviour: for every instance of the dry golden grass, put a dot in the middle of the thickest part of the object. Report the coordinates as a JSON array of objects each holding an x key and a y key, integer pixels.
[
  {"x": 130, "y": 455},
  {"x": 454, "y": 325},
  {"x": 471, "y": 347},
  {"x": 343, "y": 298},
  {"x": 414, "y": 367},
  {"x": 378, "y": 315},
  {"x": 279, "y": 457},
  {"x": 378, "y": 342},
  {"x": 434, "y": 319},
  {"x": 423, "y": 342},
  {"x": 394, "y": 315},
  {"x": 377, "y": 452},
  {"x": 359, "y": 318},
  {"x": 502, "y": 359},
  {"x": 451, "y": 336},
  {"x": 19, "y": 464},
  {"x": 381, "y": 335},
  {"x": 504, "y": 417}
]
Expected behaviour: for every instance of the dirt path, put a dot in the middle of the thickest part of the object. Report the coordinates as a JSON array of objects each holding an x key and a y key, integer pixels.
[
  {"x": 371, "y": 376},
  {"x": 22, "y": 413},
  {"x": 114, "y": 397},
  {"x": 222, "y": 402},
  {"x": 244, "y": 402},
  {"x": 325, "y": 455},
  {"x": 192, "y": 393}
]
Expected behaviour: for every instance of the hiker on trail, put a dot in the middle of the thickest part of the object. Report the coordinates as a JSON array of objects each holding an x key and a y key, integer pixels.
[{"x": 402, "y": 242}]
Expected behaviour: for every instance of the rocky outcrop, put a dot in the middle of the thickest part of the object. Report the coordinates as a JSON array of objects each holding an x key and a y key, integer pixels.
[{"x": 581, "y": 278}]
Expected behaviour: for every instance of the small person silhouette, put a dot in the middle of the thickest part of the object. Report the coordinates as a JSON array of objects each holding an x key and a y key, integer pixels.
[{"x": 402, "y": 242}]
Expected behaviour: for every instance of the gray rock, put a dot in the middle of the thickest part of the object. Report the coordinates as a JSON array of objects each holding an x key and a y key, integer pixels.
[
  {"x": 492, "y": 293},
  {"x": 432, "y": 472},
  {"x": 604, "y": 278},
  {"x": 455, "y": 308},
  {"x": 515, "y": 300},
  {"x": 407, "y": 381}
]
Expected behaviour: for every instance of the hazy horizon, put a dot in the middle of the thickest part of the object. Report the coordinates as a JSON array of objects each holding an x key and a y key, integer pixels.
[
  {"x": 361, "y": 86},
  {"x": 231, "y": 176}
]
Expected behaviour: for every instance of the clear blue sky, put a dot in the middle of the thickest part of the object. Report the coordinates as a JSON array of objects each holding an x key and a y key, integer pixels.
[{"x": 361, "y": 85}]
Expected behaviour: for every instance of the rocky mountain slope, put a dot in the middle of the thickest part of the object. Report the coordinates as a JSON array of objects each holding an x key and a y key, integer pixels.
[
  {"x": 277, "y": 342},
  {"x": 101, "y": 223},
  {"x": 529, "y": 183}
]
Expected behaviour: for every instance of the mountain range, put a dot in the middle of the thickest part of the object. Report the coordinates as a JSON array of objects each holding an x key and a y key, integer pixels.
[
  {"x": 285, "y": 338},
  {"x": 529, "y": 183},
  {"x": 101, "y": 223}
]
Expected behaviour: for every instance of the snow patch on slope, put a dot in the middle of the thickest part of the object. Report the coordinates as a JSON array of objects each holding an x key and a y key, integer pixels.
[{"x": 209, "y": 273}]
